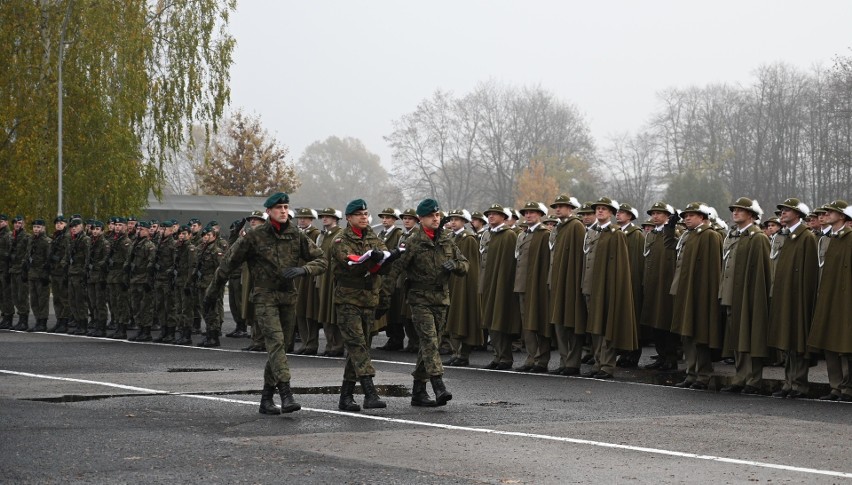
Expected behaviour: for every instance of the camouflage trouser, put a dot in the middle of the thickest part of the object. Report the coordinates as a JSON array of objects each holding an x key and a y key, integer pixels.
[
  {"x": 118, "y": 303},
  {"x": 355, "y": 325},
  {"x": 59, "y": 288},
  {"x": 235, "y": 300},
  {"x": 183, "y": 306},
  {"x": 277, "y": 323},
  {"x": 98, "y": 301},
  {"x": 141, "y": 305},
  {"x": 40, "y": 298},
  {"x": 164, "y": 303},
  {"x": 78, "y": 300},
  {"x": 429, "y": 322},
  {"x": 7, "y": 306},
  {"x": 213, "y": 318},
  {"x": 20, "y": 295}
]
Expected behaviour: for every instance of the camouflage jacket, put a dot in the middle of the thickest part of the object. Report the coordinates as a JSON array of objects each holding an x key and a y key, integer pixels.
[
  {"x": 58, "y": 248},
  {"x": 77, "y": 254},
  {"x": 164, "y": 260},
  {"x": 422, "y": 263},
  {"x": 20, "y": 246},
  {"x": 5, "y": 248},
  {"x": 97, "y": 264},
  {"x": 268, "y": 252},
  {"x": 139, "y": 264},
  {"x": 356, "y": 284},
  {"x": 185, "y": 261},
  {"x": 117, "y": 254},
  {"x": 39, "y": 254},
  {"x": 209, "y": 256}
]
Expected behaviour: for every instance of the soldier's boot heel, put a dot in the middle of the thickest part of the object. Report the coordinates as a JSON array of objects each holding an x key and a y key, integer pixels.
[
  {"x": 170, "y": 335},
  {"x": 120, "y": 332},
  {"x": 371, "y": 397},
  {"x": 61, "y": 326},
  {"x": 196, "y": 326},
  {"x": 288, "y": 404},
  {"x": 442, "y": 395},
  {"x": 267, "y": 400},
  {"x": 6, "y": 323},
  {"x": 36, "y": 327},
  {"x": 211, "y": 340},
  {"x": 185, "y": 337},
  {"x": 100, "y": 329},
  {"x": 23, "y": 323},
  {"x": 420, "y": 397},
  {"x": 347, "y": 400},
  {"x": 41, "y": 325},
  {"x": 82, "y": 327},
  {"x": 163, "y": 332},
  {"x": 144, "y": 335}
]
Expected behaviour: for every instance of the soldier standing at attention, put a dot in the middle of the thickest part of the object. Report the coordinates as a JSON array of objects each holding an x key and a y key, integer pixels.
[
  {"x": 465, "y": 312},
  {"x": 139, "y": 267},
  {"x": 357, "y": 255},
  {"x": 634, "y": 237},
  {"x": 7, "y": 307},
  {"x": 793, "y": 294},
  {"x": 325, "y": 284},
  {"x": 695, "y": 288},
  {"x": 500, "y": 314},
  {"x": 306, "y": 311},
  {"x": 57, "y": 270},
  {"x": 830, "y": 330},
  {"x": 254, "y": 219},
  {"x": 20, "y": 244},
  {"x": 409, "y": 226},
  {"x": 210, "y": 255},
  {"x": 163, "y": 291},
  {"x": 96, "y": 269},
  {"x": 394, "y": 327},
  {"x": 429, "y": 260},
  {"x": 532, "y": 254},
  {"x": 272, "y": 251},
  {"x": 117, "y": 280},
  {"x": 38, "y": 278},
  {"x": 75, "y": 261},
  {"x": 183, "y": 271},
  {"x": 235, "y": 286}
]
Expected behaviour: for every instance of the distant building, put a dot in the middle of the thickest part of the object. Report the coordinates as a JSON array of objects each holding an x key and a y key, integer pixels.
[{"x": 223, "y": 209}]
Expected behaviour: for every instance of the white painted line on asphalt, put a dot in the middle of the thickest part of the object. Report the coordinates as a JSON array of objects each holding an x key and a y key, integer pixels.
[{"x": 600, "y": 444}]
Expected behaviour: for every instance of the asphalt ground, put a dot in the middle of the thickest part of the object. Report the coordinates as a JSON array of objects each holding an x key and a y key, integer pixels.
[{"x": 87, "y": 410}]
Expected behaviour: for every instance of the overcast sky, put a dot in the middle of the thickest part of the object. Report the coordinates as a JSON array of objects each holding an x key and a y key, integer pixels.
[{"x": 312, "y": 69}]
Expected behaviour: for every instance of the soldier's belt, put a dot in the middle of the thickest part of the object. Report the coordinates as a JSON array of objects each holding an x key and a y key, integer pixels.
[
  {"x": 359, "y": 284},
  {"x": 417, "y": 285},
  {"x": 275, "y": 285}
]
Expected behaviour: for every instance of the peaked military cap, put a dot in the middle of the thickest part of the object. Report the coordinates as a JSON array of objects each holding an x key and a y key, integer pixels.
[
  {"x": 390, "y": 212},
  {"x": 796, "y": 205},
  {"x": 514, "y": 213},
  {"x": 661, "y": 207},
  {"x": 819, "y": 210},
  {"x": 463, "y": 213},
  {"x": 355, "y": 205},
  {"x": 408, "y": 213},
  {"x": 839, "y": 206},
  {"x": 563, "y": 199},
  {"x": 480, "y": 216},
  {"x": 648, "y": 223},
  {"x": 550, "y": 220},
  {"x": 628, "y": 208},
  {"x": 747, "y": 204},
  {"x": 534, "y": 206},
  {"x": 331, "y": 212},
  {"x": 275, "y": 199},
  {"x": 606, "y": 202},
  {"x": 771, "y": 220},
  {"x": 586, "y": 208},
  {"x": 427, "y": 206},
  {"x": 696, "y": 207},
  {"x": 306, "y": 212},
  {"x": 498, "y": 209},
  {"x": 38, "y": 222}
]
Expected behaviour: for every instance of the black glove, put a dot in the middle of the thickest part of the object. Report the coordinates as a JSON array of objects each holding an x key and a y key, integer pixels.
[
  {"x": 380, "y": 312},
  {"x": 290, "y": 273},
  {"x": 673, "y": 220},
  {"x": 376, "y": 255},
  {"x": 449, "y": 264}
]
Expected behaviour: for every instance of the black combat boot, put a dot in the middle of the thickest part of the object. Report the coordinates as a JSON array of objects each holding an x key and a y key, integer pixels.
[
  {"x": 6, "y": 323},
  {"x": 82, "y": 327},
  {"x": 211, "y": 339},
  {"x": 170, "y": 335},
  {"x": 239, "y": 332},
  {"x": 111, "y": 325},
  {"x": 288, "y": 404},
  {"x": 267, "y": 400},
  {"x": 185, "y": 336},
  {"x": 61, "y": 326},
  {"x": 442, "y": 395},
  {"x": 371, "y": 397},
  {"x": 196, "y": 326},
  {"x": 420, "y": 397},
  {"x": 41, "y": 325},
  {"x": 144, "y": 335},
  {"x": 23, "y": 323},
  {"x": 163, "y": 332},
  {"x": 120, "y": 331},
  {"x": 99, "y": 329},
  {"x": 347, "y": 401}
]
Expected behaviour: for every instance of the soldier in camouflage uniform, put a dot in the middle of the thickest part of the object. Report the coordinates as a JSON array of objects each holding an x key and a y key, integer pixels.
[
  {"x": 429, "y": 259},
  {"x": 139, "y": 268},
  {"x": 56, "y": 268},
  {"x": 306, "y": 311},
  {"x": 7, "y": 308},
  {"x": 272, "y": 251},
  {"x": 97, "y": 279},
  {"x": 357, "y": 255},
  {"x": 210, "y": 255},
  {"x": 394, "y": 327},
  {"x": 38, "y": 278},
  {"x": 183, "y": 271},
  {"x": 195, "y": 238},
  {"x": 235, "y": 286},
  {"x": 20, "y": 242},
  {"x": 255, "y": 219},
  {"x": 325, "y": 284},
  {"x": 118, "y": 283},
  {"x": 164, "y": 305},
  {"x": 75, "y": 262},
  {"x": 409, "y": 226}
]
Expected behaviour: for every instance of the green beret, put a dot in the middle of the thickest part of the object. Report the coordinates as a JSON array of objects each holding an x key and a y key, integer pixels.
[
  {"x": 355, "y": 205},
  {"x": 98, "y": 224},
  {"x": 212, "y": 223},
  {"x": 38, "y": 222},
  {"x": 427, "y": 206},
  {"x": 194, "y": 220},
  {"x": 184, "y": 228},
  {"x": 144, "y": 224},
  {"x": 154, "y": 221},
  {"x": 207, "y": 230},
  {"x": 132, "y": 218},
  {"x": 75, "y": 222},
  {"x": 76, "y": 216},
  {"x": 121, "y": 220},
  {"x": 59, "y": 218},
  {"x": 4, "y": 217},
  {"x": 18, "y": 218},
  {"x": 275, "y": 199}
]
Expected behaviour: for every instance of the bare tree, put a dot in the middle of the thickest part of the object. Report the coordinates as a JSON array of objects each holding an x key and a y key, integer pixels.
[{"x": 634, "y": 167}]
